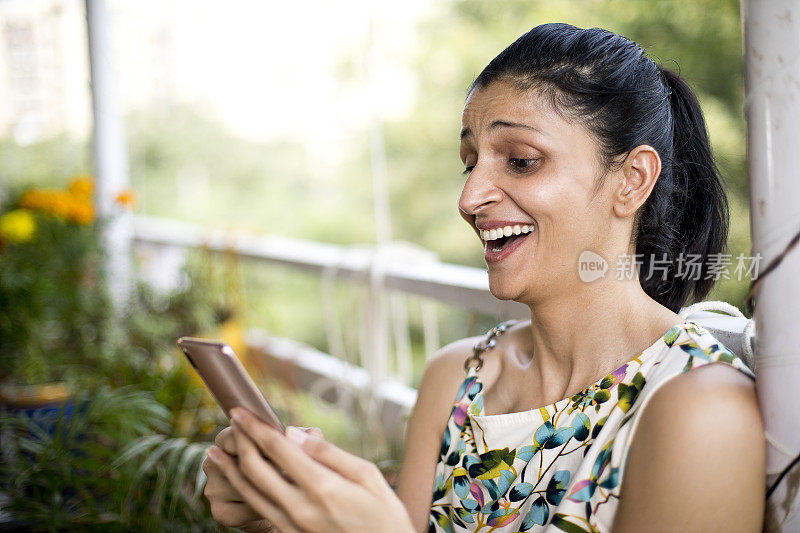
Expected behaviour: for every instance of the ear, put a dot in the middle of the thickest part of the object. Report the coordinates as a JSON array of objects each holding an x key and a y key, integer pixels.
[{"x": 637, "y": 177}]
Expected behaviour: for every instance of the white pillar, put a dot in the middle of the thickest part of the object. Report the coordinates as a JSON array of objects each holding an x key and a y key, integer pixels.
[
  {"x": 772, "y": 106},
  {"x": 110, "y": 154}
]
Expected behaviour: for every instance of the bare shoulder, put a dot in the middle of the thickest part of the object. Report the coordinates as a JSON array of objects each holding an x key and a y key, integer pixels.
[
  {"x": 448, "y": 362},
  {"x": 697, "y": 459},
  {"x": 715, "y": 395},
  {"x": 443, "y": 374},
  {"x": 437, "y": 390}
]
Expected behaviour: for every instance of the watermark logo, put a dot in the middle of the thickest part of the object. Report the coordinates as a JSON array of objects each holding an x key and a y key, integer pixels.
[{"x": 591, "y": 266}]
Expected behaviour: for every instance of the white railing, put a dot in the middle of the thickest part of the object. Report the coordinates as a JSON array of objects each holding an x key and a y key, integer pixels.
[
  {"x": 388, "y": 273},
  {"x": 395, "y": 268}
]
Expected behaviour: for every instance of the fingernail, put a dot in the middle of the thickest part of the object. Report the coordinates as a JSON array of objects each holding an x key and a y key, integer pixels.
[
  {"x": 236, "y": 415},
  {"x": 296, "y": 435},
  {"x": 213, "y": 454}
]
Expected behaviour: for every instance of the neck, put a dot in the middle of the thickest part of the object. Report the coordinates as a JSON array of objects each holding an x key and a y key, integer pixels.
[{"x": 580, "y": 334}]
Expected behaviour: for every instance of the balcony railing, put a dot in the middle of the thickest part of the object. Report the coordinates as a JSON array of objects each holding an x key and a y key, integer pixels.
[{"x": 390, "y": 274}]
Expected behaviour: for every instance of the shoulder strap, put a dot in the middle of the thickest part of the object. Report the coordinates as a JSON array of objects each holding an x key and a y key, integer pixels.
[{"x": 710, "y": 350}]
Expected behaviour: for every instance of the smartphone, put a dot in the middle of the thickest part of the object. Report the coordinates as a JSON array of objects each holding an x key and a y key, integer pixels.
[{"x": 227, "y": 379}]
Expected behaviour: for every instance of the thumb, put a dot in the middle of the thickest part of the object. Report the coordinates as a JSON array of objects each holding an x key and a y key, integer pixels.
[
  {"x": 314, "y": 432},
  {"x": 310, "y": 431}
]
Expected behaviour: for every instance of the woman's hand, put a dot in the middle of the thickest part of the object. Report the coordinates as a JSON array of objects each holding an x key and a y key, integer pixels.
[
  {"x": 322, "y": 488},
  {"x": 227, "y": 505}
]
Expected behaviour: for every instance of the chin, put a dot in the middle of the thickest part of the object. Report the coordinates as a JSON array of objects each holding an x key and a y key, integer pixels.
[{"x": 504, "y": 289}]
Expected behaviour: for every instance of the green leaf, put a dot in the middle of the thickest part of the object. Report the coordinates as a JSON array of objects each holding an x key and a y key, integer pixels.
[
  {"x": 492, "y": 463},
  {"x": 557, "y": 486},
  {"x": 561, "y": 522},
  {"x": 136, "y": 447},
  {"x": 695, "y": 351},
  {"x": 672, "y": 335},
  {"x": 582, "y": 425}
]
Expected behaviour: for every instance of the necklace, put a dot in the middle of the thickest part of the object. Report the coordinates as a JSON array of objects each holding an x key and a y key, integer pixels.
[{"x": 487, "y": 343}]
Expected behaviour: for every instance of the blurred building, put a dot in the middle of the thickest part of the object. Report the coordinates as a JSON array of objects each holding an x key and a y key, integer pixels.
[{"x": 43, "y": 69}]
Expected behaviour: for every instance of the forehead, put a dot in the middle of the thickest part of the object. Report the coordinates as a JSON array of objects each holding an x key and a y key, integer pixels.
[
  {"x": 502, "y": 110},
  {"x": 504, "y": 100}
]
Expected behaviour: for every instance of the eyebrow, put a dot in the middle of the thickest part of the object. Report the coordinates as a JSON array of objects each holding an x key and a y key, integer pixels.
[{"x": 466, "y": 132}]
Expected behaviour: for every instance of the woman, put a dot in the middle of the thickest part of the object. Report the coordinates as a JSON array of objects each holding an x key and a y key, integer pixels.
[{"x": 574, "y": 143}]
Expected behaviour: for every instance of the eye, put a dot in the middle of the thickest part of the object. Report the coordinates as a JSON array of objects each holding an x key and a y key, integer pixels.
[
  {"x": 468, "y": 170},
  {"x": 521, "y": 164}
]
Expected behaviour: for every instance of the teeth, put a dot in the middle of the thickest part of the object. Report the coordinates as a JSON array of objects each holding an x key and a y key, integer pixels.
[{"x": 506, "y": 231}]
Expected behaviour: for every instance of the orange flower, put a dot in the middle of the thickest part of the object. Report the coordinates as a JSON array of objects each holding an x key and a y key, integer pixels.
[
  {"x": 80, "y": 212},
  {"x": 71, "y": 205},
  {"x": 32, "y": 199},
  {"x": 48, "y": 201},
  {"x": 58, "y": 204},
  {"x": 126, "y": 198},
  {"x": 82, "y": 186}
]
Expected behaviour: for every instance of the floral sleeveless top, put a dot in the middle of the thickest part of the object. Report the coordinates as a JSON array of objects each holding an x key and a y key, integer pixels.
[{"x": 559, "y": 467}]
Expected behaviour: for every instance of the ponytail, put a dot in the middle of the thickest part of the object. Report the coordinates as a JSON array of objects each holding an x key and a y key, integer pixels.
[{"x": 687, "y": 215}]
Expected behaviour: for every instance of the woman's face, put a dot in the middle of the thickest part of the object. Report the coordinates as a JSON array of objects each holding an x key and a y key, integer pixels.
[{"x": 531, "y": 175}]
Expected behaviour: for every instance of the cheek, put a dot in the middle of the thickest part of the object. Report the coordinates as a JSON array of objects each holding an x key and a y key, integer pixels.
[
  {"x": 568, "y": 200},
  {"x": 547, "y": 204},
  {"x": 564, "y": 223}
]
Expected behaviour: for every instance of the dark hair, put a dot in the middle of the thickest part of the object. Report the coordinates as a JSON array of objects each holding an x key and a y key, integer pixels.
[{"x": 606, "y": 82}]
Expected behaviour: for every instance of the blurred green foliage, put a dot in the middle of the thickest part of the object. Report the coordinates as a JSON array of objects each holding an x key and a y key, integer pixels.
[
  {"x": 42, "y": 164},
  {"x": 53, "y": 306},
  {"x": 56, "y": 463},
  {"x": 124, "y": 453}
]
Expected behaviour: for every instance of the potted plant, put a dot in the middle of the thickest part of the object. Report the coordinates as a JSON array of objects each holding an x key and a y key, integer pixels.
[
  {"x": 99, "y": 426},
  {"x": 52, "y": 304},
  {"x": 57, "y": 472}
]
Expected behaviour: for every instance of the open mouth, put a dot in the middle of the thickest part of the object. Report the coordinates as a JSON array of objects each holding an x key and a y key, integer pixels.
[{"x": 501, "y": 238}]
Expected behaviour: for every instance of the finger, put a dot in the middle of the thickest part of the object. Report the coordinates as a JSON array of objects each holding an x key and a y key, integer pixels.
[
  {"x": 217, "y": 485},
  {"x": 348, "y": 465},
  {"x": 226, "y": 441},
  {"x": 261, "y": 473},
  {"x": 251, "y": 495},
  {"x": 210, "y": 467},
  {"x": 233, "y": 514},
  {"x": 277, "y": 448},
  {"x": 310, "y": 469}
]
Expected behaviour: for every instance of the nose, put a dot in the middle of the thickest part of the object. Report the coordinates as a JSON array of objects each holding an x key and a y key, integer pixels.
[{"x": 479, "y": 192}]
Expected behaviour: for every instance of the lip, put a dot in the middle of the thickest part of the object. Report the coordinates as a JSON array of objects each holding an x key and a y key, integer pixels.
[{"x": 494, "y": 224}]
